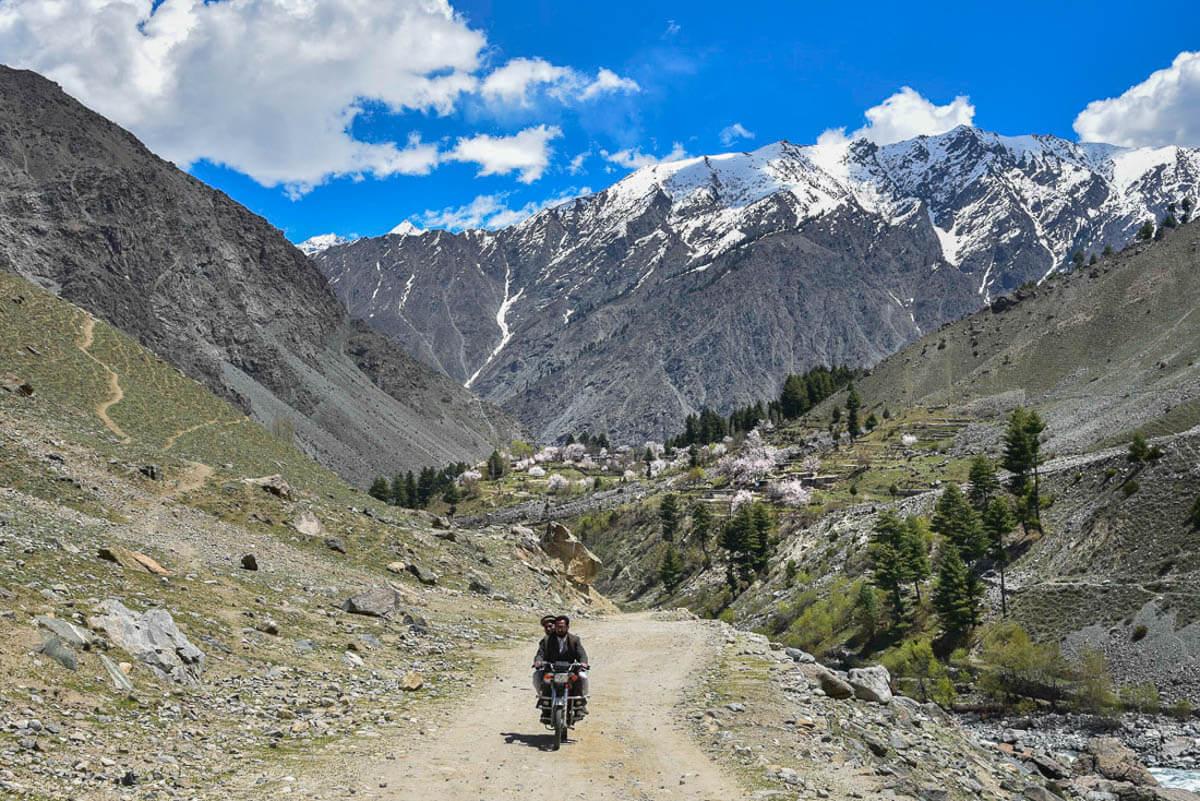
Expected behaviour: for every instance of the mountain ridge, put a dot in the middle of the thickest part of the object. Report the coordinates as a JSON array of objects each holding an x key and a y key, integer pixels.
[
  {"x": 91, "y": 214},
  {"x": 849, "y": 250}
]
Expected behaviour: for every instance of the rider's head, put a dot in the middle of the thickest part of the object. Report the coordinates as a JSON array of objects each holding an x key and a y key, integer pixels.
[
  {"x": 548, "y": 624},
  {"x": 562, "y": 624}
]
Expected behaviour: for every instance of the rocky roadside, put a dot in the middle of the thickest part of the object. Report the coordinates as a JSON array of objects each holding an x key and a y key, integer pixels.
[{"x": 795, "y": 729}]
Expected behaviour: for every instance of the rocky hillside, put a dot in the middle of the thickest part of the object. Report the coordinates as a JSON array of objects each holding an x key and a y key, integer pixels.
[
  {"x": 1100, "y": 353},
  {"x": 704, "y": 281},
  {"x": 191, "y": 608},
  {"x": 87, "y": 212}
]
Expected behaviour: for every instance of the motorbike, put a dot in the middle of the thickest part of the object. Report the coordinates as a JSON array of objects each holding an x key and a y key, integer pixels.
[{"x": 560, "y": 696}]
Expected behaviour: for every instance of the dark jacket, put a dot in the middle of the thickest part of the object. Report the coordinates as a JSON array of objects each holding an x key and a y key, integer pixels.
[{"x": 548, "y": 650}]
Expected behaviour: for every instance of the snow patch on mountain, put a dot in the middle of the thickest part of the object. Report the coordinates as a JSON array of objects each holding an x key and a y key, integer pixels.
[{"x": 315, "y": 244}]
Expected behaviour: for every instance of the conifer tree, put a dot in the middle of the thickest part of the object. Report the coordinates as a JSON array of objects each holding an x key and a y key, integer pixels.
[
  {"x": 958, "y": 522},
  {"x": 1139, "y": 451},
  {"x": 451, "y": 495},
  {"x": 915, "y": 554},
  {"x": 1022, "y": 457},
  {"x": 887, "y": 551},
  {"x": 763, "y": 538},
  {"x": 853, "y": 403},
  {"x": 956, "y": 595},
  {"x": 984, "y": 484},
  {"x": 668, "y": 516},
  {"x": 998, "y": 520},
  {"x": 410, "y": 490},
  {"x": 1146, "y": 232},
  {"x": 379, "y": 489},
  {"x": 399, "y": 491},
  {"x": 670, "y": 572}
]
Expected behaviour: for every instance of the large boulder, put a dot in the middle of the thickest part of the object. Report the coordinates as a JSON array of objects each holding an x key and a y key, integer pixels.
[
  {"x": 833, "y": 685},
  {"x": 152, "y": 638},
  {"x": 871, "y": 683},
  {"x": 131, "y": 560},
  {"x": 423, "y": 574},
  {"x": 69, "y": 633},
  {"x": 1110, "y": 758},
  {"x": 308, "y": 524},
  {"x": 581, "y": 565},
  {"x": 373, "y": 602},
  {"x": 276, "y": 485}
]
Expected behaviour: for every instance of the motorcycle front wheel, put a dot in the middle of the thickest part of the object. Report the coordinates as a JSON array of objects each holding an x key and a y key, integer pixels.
[{"x": 560, "y": 727}]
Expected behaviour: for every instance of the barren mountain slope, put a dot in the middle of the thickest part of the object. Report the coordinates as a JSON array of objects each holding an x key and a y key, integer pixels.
[{"x": 89, "y": 213}]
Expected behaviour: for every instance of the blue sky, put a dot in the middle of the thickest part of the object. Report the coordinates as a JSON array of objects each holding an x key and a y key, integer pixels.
[{"x": 680, "y": 74}]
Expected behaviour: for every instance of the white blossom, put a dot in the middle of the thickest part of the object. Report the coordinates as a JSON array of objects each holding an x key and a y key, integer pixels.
[
  {"x": 789, "y": 492},
  {"x": 740, "y": 498},
  {"x": 558, "y": 483},
  {"x": 469, "y": 475},
  {"x": 655, "y": 448},
  {"x": 574, "y": 452},
  {"x": 628, "y": 474},
  {"x": 811, "y": 465},
  {"x": 537, "y": 472},
  {"x": 908, "y": 440}
]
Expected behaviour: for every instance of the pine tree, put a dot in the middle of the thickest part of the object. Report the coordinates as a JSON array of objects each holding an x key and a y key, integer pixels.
[
  {"x": 853, "y": 403},
  {"x": 668, "y": 516},
  {"x": 762, "y": 541},
  {"x": 1092, "y": 259},
  {"x": 1186, "y": 205},
  {"x": 956, "y": 595},
  {"x": 1108, "y": 251},
  {"x": 670, "y": 572},
  {"x": 867, "y": 611},
  {"x": 410, "y": 490},
  {"x": 451, "y": 495},
  {"x": 426, "y": 485},
  {"x": 887, "y": 552},
  {"x": 998, "y": 520},
  {"x": 1077, "y": 259},
  {"x": 958, "y": 522},
  {"x": 399, "y": 494},
  {"x": 914, "y": 554},
  {"x": 496, "y": 466},
  {"x": 793, "y": 400},
  {"x": 1022, "y": 457},
  {"x": 872, "y": 422},
  {"x": 984, "y": 484},
  {"x": 379, "y": 489},
  {"x": 1146, "y": 232}
]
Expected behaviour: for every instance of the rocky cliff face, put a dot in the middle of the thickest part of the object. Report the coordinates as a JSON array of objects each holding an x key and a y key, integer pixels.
[
  {"x": 88, "y": 212},
  {"x": 704, "y": 281}
]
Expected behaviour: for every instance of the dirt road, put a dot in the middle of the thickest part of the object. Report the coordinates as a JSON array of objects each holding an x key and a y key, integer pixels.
[{"x": 631, "y": 747}]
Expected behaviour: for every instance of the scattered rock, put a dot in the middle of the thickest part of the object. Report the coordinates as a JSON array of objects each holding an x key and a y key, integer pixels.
[
  {"x": 800, "y": 657},
  {"x": 480, "y": 585},
  {"x": 833, "y": 686},
  {"x": 335, "y": 544},
  {"x": 397, "y": 567},
  {"x": 871, "y": 683},
  {"x": 308, "y": 524},
  {"x": 276, "y": 485},
  {"x": 10, "y": 383},
  {"x": 118, "y": 677},
  {"x": 59, "y": 651},
  {"x": 131, "y": 560},
  {"x": 1109, "y": 758},
  {"x": 153, "y": 639},
  {"x": 151, "y": 471},
  {"x": 412, "y": 681},
  {"x": 72, "y": 635},
  {"x": 423, "y": 574},
  {"x": 374, "y": 602},
  {"x": 249, "y": 562}
]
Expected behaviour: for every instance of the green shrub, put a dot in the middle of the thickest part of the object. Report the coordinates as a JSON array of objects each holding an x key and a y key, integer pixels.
[
  {"x": 1142, "y": 697},
  {"x": 1181, "y": 709},
  {"x": 1130, "y": 487},
  {"x": 1094, "y": 684},
  {"x": 1016, "y": 668},
  {"x": 914, "y": 659}
]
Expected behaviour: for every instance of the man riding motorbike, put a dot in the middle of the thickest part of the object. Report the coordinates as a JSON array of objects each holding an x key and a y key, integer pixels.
[{"x": 559, "y": 645}]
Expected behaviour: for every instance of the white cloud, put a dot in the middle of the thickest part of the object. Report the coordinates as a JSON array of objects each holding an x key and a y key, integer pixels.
[
  {"x": 673, "y": 28},
  {"x": 1162, "y": 110},
  {"x": 492, "y": 211},
  {"x": 518, "y": 81},
  {"x": 512, "y": 83},
  {"x": 634, "y": 158},
  {"x": 577, "y": 161},
  {"x": 267, "y": 87},
  {"x": 904, "y": 115},
  {"x": 732, "y": 133},
  {"x": 608, "y": 82},
  {"x": 527, "y": 152},
  {"x": 273, "y": 88}
]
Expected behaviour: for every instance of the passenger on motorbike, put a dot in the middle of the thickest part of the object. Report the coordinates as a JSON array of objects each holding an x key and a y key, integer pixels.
[
  {"x": 562, "y": 646},
  {"x": 548, "y": 631}
]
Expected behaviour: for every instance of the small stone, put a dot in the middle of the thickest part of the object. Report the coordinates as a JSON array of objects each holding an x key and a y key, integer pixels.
[{"x": 249, "y": 562}]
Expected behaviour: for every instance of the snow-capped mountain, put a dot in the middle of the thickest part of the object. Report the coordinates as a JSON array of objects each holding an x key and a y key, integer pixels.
[
  {"x": 705, "y": 280},
  {"x": 315, "y": 244}
]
